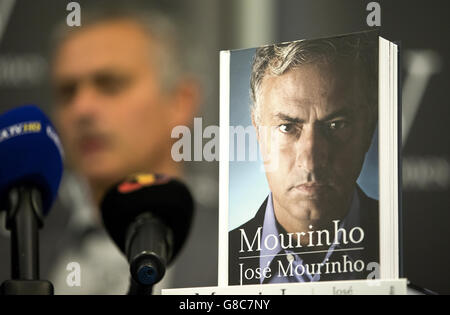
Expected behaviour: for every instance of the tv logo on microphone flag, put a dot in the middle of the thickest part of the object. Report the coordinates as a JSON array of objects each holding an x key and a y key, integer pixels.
[
  {"x": 20, "y": 129},
  {"x": 138, "y": 181}
]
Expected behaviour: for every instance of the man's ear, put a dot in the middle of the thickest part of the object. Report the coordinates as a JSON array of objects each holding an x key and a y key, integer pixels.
[
  {"x": 370, "y": 134},
  {"x": 186, "y": 99},
  {"x": 372, "y": 121}
]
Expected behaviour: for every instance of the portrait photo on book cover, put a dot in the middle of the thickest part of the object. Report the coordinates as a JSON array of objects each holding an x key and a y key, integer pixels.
[{"x": 306, "y": 209}]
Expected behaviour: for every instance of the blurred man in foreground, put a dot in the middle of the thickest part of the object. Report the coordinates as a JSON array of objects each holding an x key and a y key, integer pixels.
[
  {"x": 120, "y": 88},
  {"x": 119, "y": 93}
]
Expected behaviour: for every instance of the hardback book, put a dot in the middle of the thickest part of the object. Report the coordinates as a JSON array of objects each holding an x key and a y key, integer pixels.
[{"x": 309, "y": 161}]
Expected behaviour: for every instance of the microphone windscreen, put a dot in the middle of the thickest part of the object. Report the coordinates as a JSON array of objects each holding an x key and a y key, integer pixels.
[
  {"x": 164, "y": 197},
  {"x": 30, "y": 153}
]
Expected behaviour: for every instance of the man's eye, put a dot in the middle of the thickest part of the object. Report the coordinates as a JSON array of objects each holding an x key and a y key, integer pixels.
[
  {"x": 286, "y": 128},
  {"x": 110, "y": 84},
  {"x": 337, "y": 125},
  {"x": 66, "y": 92}
]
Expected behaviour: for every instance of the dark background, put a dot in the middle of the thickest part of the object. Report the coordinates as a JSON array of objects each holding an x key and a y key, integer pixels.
[{"x": 421, "y": 26}]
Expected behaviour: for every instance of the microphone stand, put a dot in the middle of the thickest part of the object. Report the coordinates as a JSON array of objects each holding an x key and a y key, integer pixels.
[
  {"x": 139, "y": 289},
  {"x": 146, "y": 267},
  {"x": 24, "y": 219}
]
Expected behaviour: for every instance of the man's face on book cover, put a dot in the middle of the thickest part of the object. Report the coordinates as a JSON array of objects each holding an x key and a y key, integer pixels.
[{"x": 313, "y": 133}]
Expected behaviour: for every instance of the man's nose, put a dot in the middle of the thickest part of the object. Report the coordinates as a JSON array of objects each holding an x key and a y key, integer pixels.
[
  {"x": 85, "y": 102},
  {"x": 312, "y": 149}
]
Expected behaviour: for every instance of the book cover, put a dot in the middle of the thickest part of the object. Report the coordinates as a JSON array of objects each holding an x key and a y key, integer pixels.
[{"x": 309, "y": 188}]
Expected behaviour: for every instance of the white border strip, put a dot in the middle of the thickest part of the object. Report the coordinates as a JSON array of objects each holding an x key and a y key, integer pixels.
[
  {"x": 395, "y": 161},
  {"x": 224, "y": 166},
  {"x": 388, "y": 160},
  {"x": 384, "y": 145}
]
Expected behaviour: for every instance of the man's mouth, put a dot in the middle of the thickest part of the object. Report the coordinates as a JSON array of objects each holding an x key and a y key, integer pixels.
[
  {"x": 91, "y": 144},
  {"x": 311, "y": 188}
]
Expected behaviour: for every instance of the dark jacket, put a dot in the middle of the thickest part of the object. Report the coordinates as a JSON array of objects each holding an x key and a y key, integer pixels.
[{"x": 369, "y": 217}]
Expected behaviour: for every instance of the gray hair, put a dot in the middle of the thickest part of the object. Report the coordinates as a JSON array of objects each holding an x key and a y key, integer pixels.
[
  {"x": 170, "y": 59},
  {"x": 358, "y": 50}
]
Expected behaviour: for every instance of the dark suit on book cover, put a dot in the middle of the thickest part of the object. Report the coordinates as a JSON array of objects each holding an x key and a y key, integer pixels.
[{"x": 369, "y": 222}]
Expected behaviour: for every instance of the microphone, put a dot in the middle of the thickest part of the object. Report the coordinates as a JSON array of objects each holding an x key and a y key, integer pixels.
[
  {"x": 30, "y": 173},
  {"x": 148, "y": 216},
  {"x": 30, "y": 153}
]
